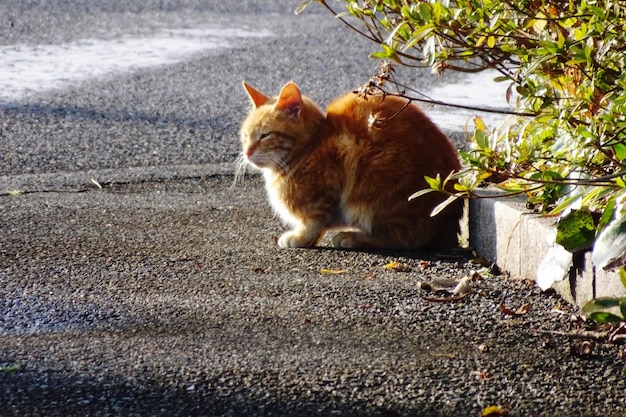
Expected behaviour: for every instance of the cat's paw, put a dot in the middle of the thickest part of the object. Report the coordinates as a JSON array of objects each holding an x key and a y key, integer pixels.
[
  {"x": 346, "y": 240},
  {"x": 295, "y": 239},
  {"x": 359, "y": 240}
]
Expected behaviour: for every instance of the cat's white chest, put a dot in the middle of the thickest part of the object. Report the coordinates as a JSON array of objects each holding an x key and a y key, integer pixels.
[{"x": 277, "y": 203}]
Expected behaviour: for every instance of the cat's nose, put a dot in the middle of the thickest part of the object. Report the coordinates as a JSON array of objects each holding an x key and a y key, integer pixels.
[{"x": 250, "y": 151}]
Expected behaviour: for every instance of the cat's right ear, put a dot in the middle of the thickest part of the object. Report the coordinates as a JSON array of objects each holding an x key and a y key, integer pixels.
[
  {"x": 257, "y": 98},
  {"x": 290, "y": 100}
]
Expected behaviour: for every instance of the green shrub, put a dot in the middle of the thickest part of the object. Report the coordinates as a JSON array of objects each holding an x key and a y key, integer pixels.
[{"x": 564, "y": 61}]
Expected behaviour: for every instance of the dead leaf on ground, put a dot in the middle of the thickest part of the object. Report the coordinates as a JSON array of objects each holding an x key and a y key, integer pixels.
[
  {"x": 444, "y": 355},
  {"x": 424, "y": 264},
  {"x": 558, "y": 309},
  {"x": 523, "y": 309},
  {"x": 443, "y": 282},
  {"x": 482, "y": 375},
  {"x": 582, "y": 348},
  {"x": 512, "y": 322},
  {"x": 370, "y": 275},
  {"x": 261, "y": 270},
  {"x": 481, "y": 262},
  {"x": 397, "y": 266},
  {"x": 464, "y": 286},
  {"x": 495, "y": 411},
  {"x": 333, "y": 271}
]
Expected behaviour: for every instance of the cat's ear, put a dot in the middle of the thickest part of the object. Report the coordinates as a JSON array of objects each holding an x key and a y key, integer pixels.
[
  {"x": 257, "y": 98},
  {"x": 290, "y": 100}
]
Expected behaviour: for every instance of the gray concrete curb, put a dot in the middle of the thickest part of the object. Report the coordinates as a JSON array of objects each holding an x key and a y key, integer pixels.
[{"x": 503, "y": 231}]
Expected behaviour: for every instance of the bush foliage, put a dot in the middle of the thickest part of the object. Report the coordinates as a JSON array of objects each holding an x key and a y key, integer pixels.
[{"x": 564, "y": 61}]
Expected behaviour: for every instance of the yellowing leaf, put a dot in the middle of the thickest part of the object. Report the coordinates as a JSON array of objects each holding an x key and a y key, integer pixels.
[
  {"x": 460, "y": 187},
  {"x": 396, "y": 266},
  {"x": 333, "y": 271},
  {"x": 494, "y": 411},
  {"x": 479, "y": 123},
  {"x": 540, "y": 23},
  {"x": 390, "y": 265}
]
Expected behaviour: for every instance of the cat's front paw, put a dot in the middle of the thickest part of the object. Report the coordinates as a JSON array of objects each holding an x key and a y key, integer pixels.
[{"x": 295, "y": 239}]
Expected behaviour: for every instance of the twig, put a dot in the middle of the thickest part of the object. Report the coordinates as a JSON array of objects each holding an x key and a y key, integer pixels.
[
  {"x": 446, "y": 299},
  {"x": 610, "y": 337}
]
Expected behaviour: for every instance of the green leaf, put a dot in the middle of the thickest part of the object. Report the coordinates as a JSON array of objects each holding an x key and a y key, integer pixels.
[
  {"x": 434, "y": 183},
  {"x": 610, "y": 245},
  {"x": 622, "y": 306},
  {"x": 620, "y": 151},
  {"x": 379, "y": 55},
  {"x": 11, "y": 368},
  {"x": 600, "y": 304},
  {"x": 604, "y": 317},
  {"x": 576, "y": 231},
  {"x": 622, "y": 276},
  {"x": 425, "y": 11},
  {"x": 607, "y": 215},
  {"x": 481, "y": 138}
]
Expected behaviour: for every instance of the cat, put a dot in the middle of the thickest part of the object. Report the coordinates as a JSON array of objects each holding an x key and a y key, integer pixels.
[{"x": 351, "y": 169}]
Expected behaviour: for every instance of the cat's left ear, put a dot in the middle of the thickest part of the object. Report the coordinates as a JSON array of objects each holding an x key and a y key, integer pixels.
[
  {"x": 257, "y": 98},
  {"x": 290, "y": 100}
]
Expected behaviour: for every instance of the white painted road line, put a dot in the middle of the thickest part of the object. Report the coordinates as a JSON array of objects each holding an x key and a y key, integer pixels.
[
  {"x": 27, "y": 69},
  {"x": 476, "y": 90}
]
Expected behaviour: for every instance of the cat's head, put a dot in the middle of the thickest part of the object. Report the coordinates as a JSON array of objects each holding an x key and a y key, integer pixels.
[{"x": 278, "y": 129}]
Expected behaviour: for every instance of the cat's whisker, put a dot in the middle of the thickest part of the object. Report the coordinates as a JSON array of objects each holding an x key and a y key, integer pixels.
[
  {"x": 280, "y": 164},
  {"x": 240, "y": 170}
]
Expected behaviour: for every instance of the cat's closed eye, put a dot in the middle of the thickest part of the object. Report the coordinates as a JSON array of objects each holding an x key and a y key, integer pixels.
[{"x": 264, "y": 135}]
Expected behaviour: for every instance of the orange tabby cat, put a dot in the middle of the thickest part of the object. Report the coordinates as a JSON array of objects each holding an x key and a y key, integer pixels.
[{"x": 337, "y": 171}]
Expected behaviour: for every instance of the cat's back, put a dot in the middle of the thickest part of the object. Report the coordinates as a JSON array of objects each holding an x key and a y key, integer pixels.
[{"x": 392, "y": 126}]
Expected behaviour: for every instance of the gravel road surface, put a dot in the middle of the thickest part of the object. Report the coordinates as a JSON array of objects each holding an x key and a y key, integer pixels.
[{"x": 137, "y": 278}]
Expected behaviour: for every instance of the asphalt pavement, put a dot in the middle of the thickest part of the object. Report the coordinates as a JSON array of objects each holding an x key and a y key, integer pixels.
[{"x": 138, "y": 278}]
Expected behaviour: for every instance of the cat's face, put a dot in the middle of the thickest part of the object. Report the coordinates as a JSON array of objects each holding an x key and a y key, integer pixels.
[
  {"x": 276, "y": 128},
  {"x": 265, "y": 139}
]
